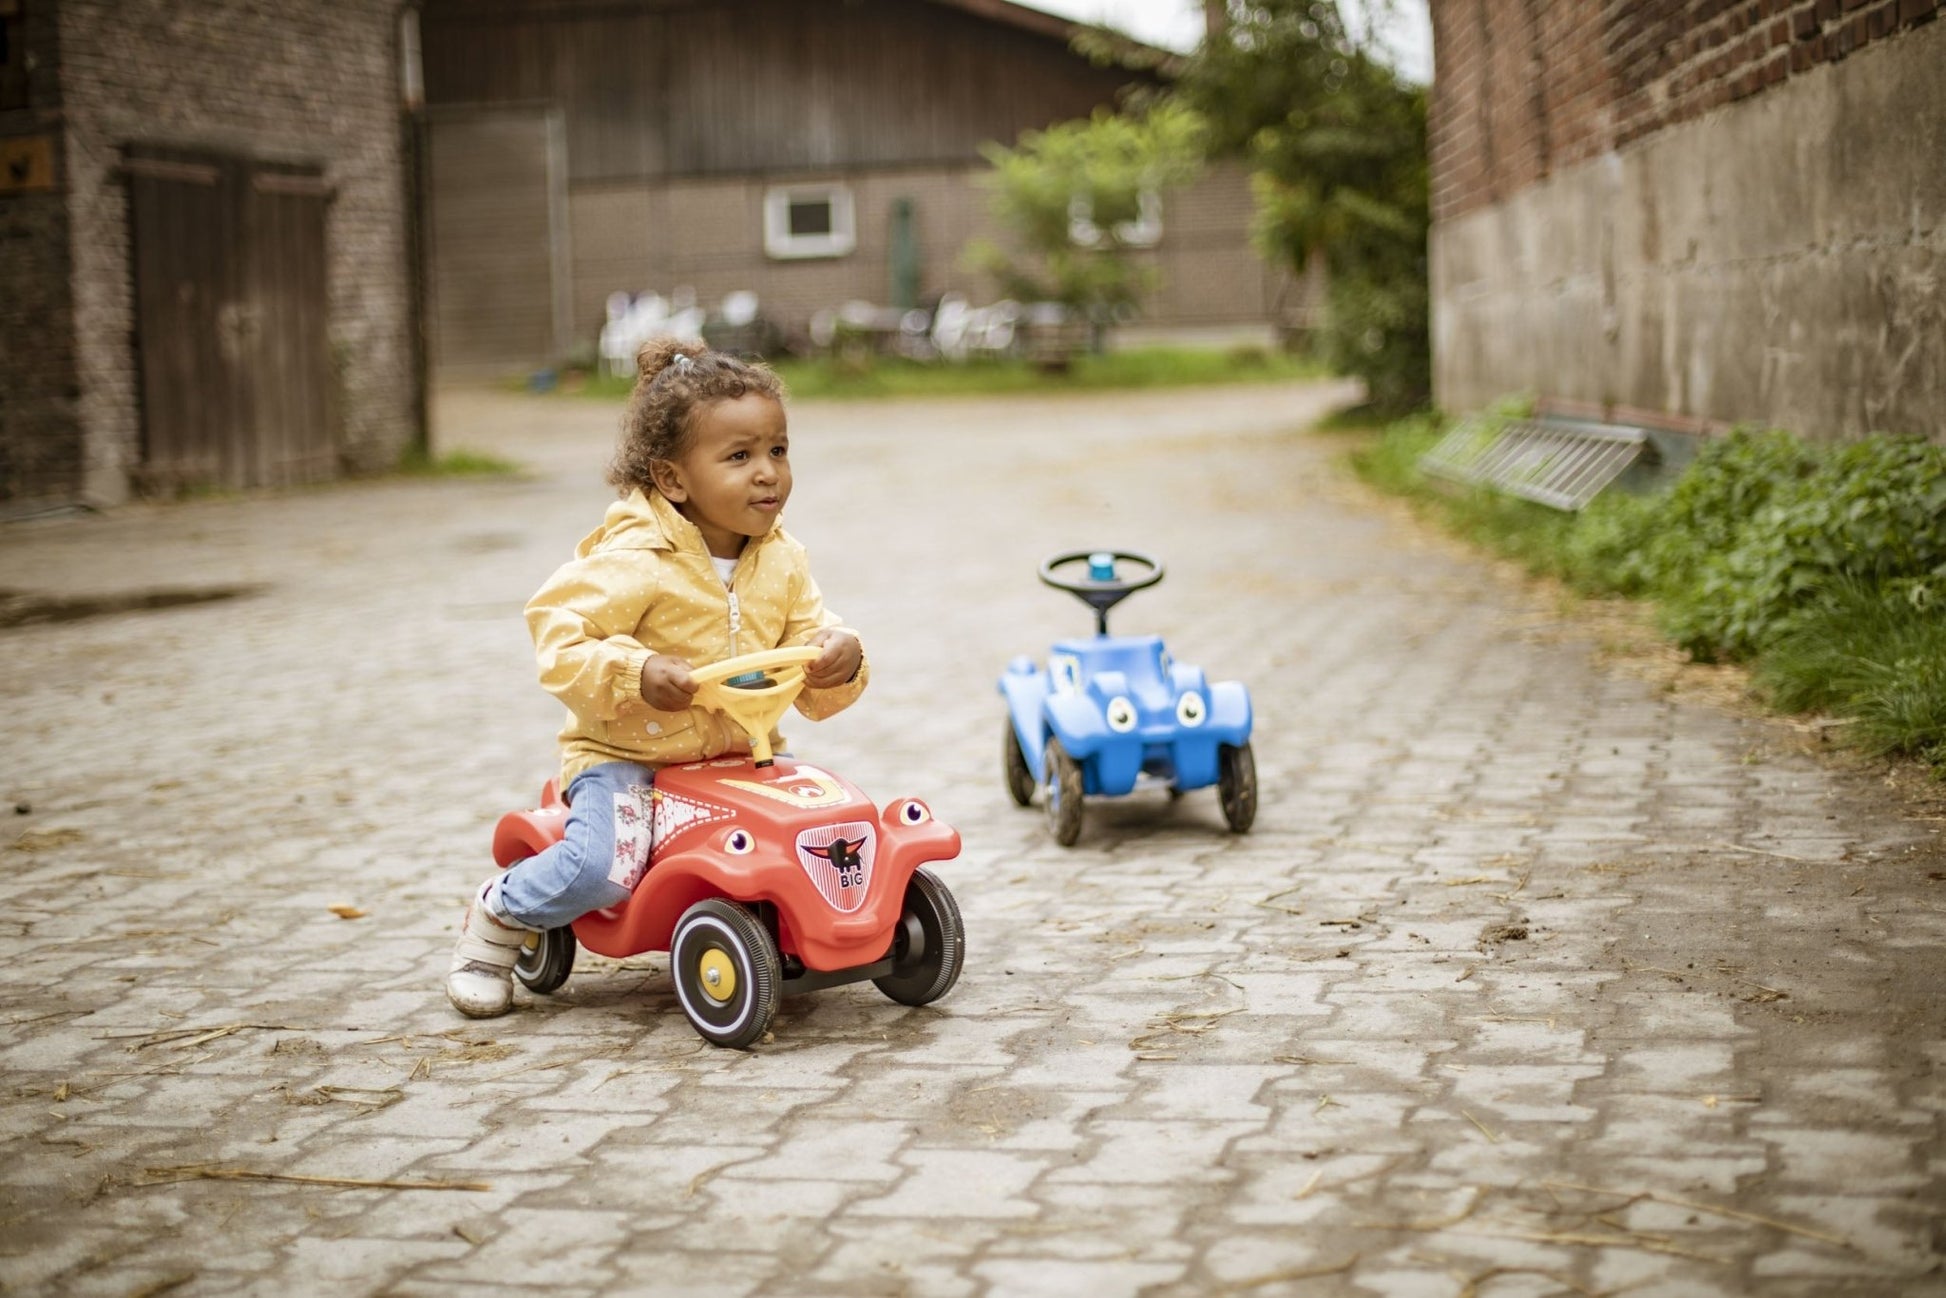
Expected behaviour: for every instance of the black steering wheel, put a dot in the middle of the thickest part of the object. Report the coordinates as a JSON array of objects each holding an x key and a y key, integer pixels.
[{"x": 1105, "y": 584}]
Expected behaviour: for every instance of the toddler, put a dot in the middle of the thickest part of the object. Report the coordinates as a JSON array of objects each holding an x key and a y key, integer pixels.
[{"x": 689, "y": 567}]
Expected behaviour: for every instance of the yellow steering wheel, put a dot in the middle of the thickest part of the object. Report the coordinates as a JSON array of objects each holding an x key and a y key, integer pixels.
[{"x": 755, "y": 690}]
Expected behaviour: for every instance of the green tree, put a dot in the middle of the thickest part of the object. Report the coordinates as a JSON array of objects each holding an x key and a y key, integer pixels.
[
  {"x": 1072, "y": 200},
  {"x": 1336, "y": 141}
]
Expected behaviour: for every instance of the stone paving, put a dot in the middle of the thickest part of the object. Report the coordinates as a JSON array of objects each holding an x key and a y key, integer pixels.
[{"x": 1531, "y": 978}]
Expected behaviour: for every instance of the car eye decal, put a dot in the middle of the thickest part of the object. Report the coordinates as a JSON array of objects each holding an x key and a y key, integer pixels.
[
  {"x": 1121, "y": 715},
  {"x": 914, "y": 812},
  {"x": 740, "y": 841},
  {"x": 1189, "y": 709}
]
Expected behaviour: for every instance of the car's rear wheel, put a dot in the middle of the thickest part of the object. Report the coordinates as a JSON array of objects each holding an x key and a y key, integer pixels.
[
  {"x": 1061, "y": 787},
  {"x": 727, "y": 972},
  {"x": 1236, "y": 785},
  {"x": 1020, "y": 780},
  {"x": 546, "y": 960},
  {"x": 930, "y": 946}
]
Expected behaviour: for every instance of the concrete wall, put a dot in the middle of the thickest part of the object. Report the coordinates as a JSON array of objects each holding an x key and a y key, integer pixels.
[
  {"x": 317, "y": 82},
  {"x": 707, "y": 234},
  {"x": 1773, "y": 252}
]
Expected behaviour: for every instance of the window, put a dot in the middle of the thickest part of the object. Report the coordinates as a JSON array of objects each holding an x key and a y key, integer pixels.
[
  {"x": 1145, "y": 231},
  {"x": 809, "y": 221}
]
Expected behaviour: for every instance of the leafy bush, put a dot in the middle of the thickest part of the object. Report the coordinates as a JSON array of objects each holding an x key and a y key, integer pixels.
[
  {"x": 1771, "y": 527},
  {"x": 1071, "y": 199},
  {"x": 1336, "y": 144}
]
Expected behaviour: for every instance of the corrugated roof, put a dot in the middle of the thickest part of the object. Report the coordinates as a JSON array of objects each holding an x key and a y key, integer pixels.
[{"x": 1036, "y": 20}]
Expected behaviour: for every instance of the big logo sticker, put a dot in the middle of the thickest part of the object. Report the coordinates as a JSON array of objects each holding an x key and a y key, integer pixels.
[{"x": 839, "y": 860}]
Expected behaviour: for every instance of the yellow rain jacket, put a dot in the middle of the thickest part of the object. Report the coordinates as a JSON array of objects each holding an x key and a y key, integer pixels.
[{"x": 641, "y": 584}]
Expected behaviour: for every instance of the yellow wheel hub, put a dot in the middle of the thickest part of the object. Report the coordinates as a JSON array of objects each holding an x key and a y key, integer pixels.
[{"x": 716, "y": 973}]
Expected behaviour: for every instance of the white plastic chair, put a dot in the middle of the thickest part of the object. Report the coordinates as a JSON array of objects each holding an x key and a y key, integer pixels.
[
  {"x": 616, "y": 346},
  {"x": 949, "y": 325}
]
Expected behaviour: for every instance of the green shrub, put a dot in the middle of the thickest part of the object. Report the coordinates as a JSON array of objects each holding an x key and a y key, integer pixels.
[{"x": 1772, "y": 527}]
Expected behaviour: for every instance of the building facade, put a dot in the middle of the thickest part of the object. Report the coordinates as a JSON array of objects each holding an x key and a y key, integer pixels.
[
  {"x": 811, "y": 152},
  {"x": 205, "y": 238},
  {"x": 1695, "y": 213}
]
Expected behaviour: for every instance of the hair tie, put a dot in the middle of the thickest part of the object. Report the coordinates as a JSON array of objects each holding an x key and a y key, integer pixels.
[{"x": 683, "y": 362}]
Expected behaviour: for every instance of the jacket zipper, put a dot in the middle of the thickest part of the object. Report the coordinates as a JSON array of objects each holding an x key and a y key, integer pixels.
[{"x": 730, "y": 730}]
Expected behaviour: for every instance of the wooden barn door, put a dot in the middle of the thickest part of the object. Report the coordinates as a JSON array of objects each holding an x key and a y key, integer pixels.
[
  {"x": 294, "y": 394},
  {"x": 497, "y": 239},
  {"x": 231, "y": 304}
]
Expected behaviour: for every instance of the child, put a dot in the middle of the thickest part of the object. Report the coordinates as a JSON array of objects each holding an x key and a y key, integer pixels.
[{"x": 689, "y": 567}]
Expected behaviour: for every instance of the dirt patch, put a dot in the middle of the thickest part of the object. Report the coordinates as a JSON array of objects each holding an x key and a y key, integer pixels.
[{"x": 28, "y": 608}]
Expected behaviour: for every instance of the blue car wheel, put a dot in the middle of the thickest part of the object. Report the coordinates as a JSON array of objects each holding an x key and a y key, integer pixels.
[
  {"x": 1062, "y": 789},
  {"x": 1020, "y": 780},
  {"x": 1236, "y": 785}
]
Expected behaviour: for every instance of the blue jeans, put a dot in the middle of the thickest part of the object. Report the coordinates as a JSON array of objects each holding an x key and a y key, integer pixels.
[{"x": 602, "y": 855}]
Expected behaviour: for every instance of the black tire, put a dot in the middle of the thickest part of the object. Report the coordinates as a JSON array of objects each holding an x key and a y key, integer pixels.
[
  {"x": 930, "y": 946},
  {"x": 546, "y": 960},
  {"x": 727, "y": 972},
  {"x": 1236, "y": 784},
  {"x": 1020, "y": 780},
  {"x": 1061, "y": 786}
]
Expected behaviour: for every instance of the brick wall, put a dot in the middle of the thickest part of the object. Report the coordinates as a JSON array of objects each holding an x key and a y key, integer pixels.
[
  {"x": 1526, "y": 87},
  {"x": 303, "y": 80},
  {"x": 40, "y": 444}
]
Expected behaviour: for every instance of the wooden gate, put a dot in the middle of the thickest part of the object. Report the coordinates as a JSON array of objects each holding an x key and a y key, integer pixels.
[{"x": 232, "y": 300}]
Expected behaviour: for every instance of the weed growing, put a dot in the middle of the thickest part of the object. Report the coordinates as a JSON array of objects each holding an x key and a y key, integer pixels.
[{"x": 455, "y": 464}]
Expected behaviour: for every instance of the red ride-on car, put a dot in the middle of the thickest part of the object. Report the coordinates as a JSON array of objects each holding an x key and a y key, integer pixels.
[{"x": 767, "y": 876}]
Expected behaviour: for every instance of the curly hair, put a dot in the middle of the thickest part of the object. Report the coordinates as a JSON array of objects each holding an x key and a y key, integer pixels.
[{"x": 674, "y": 379}]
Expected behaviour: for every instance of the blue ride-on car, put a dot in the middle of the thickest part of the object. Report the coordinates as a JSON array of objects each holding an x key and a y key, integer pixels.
[{"x": 1111, "y": 710}]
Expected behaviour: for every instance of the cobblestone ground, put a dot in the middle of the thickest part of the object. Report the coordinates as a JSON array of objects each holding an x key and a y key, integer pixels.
[{"x": 1531, "y": 978}]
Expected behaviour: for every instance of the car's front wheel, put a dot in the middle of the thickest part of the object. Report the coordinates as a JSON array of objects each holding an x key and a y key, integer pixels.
[
  {"x": 1236, "y": 785},
  {"x": 727, "y": 972},
  {"x": 930, "y": 946},
  {"x": 1061, "y": 787},
  {"x": 1020, "y": 780}
]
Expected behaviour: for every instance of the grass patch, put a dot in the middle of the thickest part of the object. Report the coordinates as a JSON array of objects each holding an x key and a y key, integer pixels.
[
  {"x": 1146, "y": 367},
  {"x": 1823, "y": 568},
  {"x": 1877, "y": 660},
  {"x": 455, "y": 464}
]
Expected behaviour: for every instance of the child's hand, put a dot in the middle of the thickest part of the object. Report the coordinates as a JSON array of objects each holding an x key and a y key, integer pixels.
[
  {"x": 665, "y": 683},
  {"x": 839, "y": 662}
]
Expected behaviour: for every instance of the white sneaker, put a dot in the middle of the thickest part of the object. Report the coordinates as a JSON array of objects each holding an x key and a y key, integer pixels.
[{"x": 480, "y": 983}]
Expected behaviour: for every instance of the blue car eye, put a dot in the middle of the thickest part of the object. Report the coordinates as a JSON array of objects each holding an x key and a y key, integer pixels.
[
  {"x": 1121, "y": 715},
  {"x": 740, "y": 842},
  {"x": 1189, "y": 709},
  {"x": 914, "y": 812}
]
